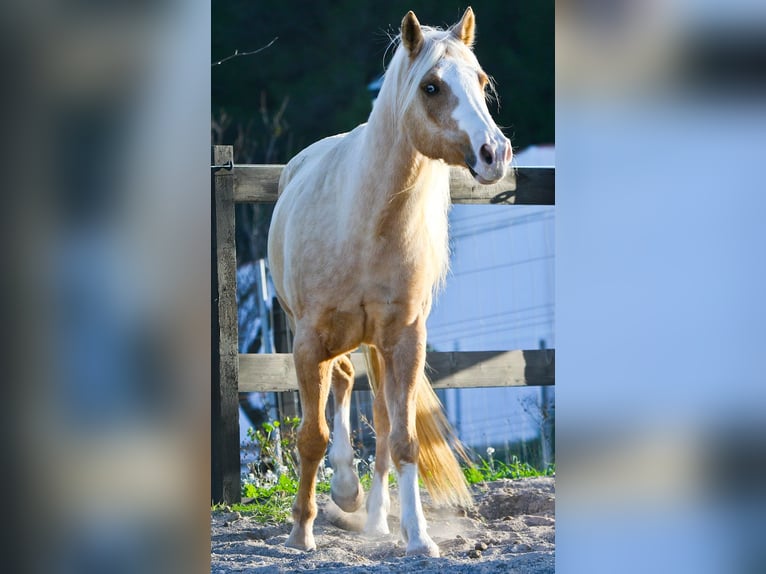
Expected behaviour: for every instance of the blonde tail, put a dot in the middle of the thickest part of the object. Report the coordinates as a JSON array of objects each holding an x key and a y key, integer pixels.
[{"x": 437, "y": 465}]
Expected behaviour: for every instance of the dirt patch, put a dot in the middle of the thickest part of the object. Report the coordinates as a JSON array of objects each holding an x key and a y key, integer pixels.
[{"x": 511, "y": 529}]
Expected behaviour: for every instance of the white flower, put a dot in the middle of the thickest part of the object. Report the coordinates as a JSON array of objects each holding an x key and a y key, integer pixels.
[
  {"x": 490, "y": 451},
  {"x": 328, "y": 472}
]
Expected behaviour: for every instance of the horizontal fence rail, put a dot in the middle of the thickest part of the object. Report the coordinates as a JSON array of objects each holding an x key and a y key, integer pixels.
[
  {"x": 522, "y": 186},
  {"x": 276, "y": 372}
]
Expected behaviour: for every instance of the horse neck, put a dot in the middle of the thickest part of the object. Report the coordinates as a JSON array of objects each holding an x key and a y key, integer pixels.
[
  {"x": 402, "y": 182},
  {"x": 405, "y": 199}
]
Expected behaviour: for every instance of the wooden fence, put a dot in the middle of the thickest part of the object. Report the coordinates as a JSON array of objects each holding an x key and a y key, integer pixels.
[{"x": 233, "y": 373}]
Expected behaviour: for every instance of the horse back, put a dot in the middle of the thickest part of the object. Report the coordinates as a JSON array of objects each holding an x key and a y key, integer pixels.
[{"x": 310, "y": 158}]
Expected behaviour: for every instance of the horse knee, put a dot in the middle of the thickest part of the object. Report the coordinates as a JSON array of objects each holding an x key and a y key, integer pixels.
[
  {"x": 403, "y": 447},
  {"x": 342, "y": 380},
  {"x": 344, "y": 367},
  {"x": 312, "y": 441}
]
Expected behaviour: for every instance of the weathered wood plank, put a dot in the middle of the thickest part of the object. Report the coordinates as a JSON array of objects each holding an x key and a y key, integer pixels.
[
  {"x": 276, "y": 372},
  {"x": 256, "y": 183},
  {"x": 224, "y": 392},
  {"x": 524, "y": 186}
]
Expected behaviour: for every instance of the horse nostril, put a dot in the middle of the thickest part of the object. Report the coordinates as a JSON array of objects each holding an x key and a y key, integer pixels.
[{"x": 487, "y": 154}]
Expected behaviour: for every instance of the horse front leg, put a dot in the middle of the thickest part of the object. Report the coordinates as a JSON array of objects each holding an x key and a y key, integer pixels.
[
  {"x": 378, "y": 501},
  {"x": 313, "y": 371},
  {"x": 405, "y": 363},
  {"x": 345, "y": 489}
]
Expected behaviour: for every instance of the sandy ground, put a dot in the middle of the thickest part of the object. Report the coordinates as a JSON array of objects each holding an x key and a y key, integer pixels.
[{"x": 511, "y": 529}]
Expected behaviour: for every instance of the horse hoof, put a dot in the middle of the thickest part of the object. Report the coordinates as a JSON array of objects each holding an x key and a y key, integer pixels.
[
  {"x": 349, "y": 503},
  {"x": 305, "y": 544},
  {"x": 428, "y": 548}
]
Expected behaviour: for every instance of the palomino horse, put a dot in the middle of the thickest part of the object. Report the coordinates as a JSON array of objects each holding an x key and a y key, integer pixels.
[{"x": 357, "y": 247}]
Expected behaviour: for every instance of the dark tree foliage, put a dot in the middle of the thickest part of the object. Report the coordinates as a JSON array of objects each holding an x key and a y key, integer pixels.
[{"x": 312, "y": 82}]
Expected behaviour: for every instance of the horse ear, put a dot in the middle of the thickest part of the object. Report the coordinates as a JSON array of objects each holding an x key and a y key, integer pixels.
[
  {"x": 412, "y": 35},
  {"x": 465, "y": 30}
]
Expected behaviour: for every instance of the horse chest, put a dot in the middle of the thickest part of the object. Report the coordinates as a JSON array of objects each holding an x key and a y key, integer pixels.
[{"x": 397, "y": 271}]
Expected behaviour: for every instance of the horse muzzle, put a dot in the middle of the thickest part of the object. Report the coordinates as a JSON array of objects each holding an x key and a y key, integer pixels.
[{"x": 490, "y": 164}]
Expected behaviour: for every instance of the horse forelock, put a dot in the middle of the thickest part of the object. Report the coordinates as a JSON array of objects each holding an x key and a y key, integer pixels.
[
  {"x": 434, "y": 48},
  {"x": 403, "y": 76}
]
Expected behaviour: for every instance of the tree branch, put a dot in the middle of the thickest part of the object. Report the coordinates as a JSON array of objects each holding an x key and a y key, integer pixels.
[{"x": 238, "y": 53}]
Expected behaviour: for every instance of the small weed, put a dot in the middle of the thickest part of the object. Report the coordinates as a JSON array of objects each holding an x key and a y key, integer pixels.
[{"x": 276, "y": 445}]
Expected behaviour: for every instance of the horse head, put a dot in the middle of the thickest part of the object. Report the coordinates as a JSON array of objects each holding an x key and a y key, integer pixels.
[{"x": 444, "y": 103}]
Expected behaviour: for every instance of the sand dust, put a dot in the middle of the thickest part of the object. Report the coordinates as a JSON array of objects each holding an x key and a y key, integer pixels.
[{"x": 511, "y": 529}]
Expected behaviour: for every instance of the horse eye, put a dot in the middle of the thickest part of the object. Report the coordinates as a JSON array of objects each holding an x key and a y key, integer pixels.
[{"x": 431, "y": 89}]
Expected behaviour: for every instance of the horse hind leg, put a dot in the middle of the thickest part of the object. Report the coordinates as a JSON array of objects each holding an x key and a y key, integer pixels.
[
  {"x": 345, "y": 489},
  {"x": 313, "y": 371}
]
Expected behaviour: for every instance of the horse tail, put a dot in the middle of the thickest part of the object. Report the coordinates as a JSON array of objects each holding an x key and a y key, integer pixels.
[{"x": 438, "y": 466}]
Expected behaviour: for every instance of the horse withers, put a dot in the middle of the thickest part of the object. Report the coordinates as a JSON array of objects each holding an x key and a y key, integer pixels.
[{"x": 358, "y": 247}]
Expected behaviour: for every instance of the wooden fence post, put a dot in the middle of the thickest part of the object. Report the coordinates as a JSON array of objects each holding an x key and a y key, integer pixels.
[{"x": 225, "y": 466}]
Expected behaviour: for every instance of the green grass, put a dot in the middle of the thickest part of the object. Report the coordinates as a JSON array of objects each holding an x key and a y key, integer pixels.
[
  {"x": 489, "y": 469},
  {"x": 270, "y": 499},
  {"x": 270, "y": 504}
]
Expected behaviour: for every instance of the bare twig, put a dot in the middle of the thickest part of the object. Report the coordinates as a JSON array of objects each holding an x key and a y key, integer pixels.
[{"x": 238, "y": 53}]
